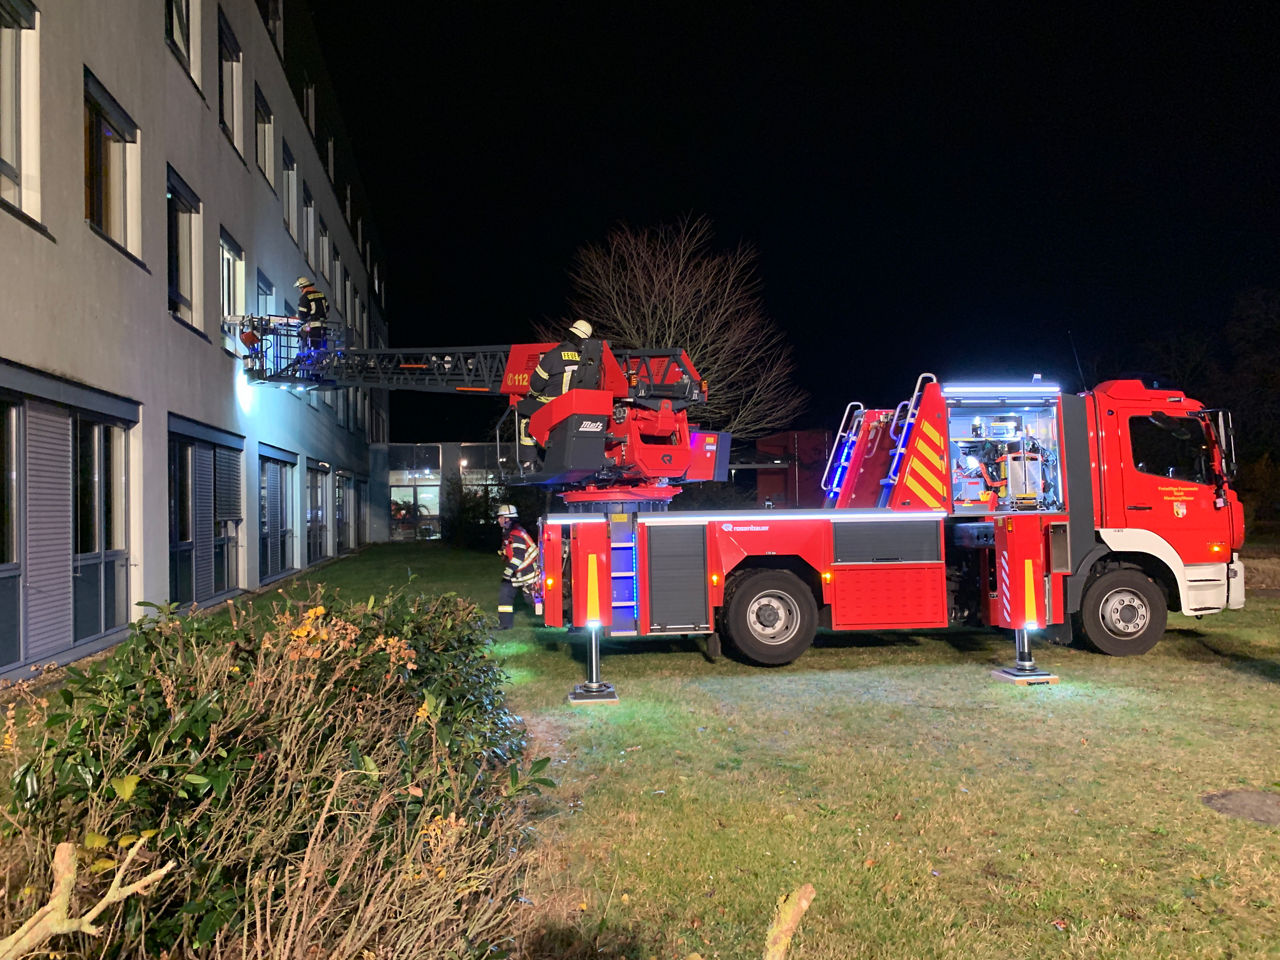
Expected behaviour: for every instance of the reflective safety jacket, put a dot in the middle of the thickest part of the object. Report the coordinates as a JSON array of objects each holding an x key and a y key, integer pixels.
[
  {"x": 522, "y": 556},
  {"x": 313, "y": 305},
  {"x": 551, "y": 377}
]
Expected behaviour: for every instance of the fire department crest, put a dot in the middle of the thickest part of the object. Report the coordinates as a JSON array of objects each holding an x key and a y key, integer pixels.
[{"x": 1179, "y": 509}]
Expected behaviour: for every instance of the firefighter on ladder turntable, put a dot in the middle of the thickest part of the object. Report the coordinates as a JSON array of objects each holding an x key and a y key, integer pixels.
[
  {"x": 521, "y": 571},
  {"x": 550, "y": 379},
  {"x": 313, "y": 311}
]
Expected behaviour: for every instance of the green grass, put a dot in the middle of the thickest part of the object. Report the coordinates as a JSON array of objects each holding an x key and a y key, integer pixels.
[{"x": 937, "y": 811}]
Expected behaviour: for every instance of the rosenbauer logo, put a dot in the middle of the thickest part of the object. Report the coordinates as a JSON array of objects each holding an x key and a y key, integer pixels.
[
  {"x": 591, "y": 426},
  {"x": 743, "y": 528}
]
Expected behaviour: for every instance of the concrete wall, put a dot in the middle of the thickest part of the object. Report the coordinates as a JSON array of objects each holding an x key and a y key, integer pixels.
[{"x": 79, "y": 308}]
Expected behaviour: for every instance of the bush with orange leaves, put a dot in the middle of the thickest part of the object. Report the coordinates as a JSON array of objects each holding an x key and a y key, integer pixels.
[{"x": 333, "y": 779}]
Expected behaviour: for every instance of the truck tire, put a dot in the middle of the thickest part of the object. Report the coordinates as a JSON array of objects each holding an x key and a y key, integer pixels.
[
  {"x": 1124, "y": 613},
  {"x": 772, "y": 617}
]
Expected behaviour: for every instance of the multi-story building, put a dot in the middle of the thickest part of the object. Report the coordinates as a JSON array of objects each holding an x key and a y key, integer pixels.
[{"x": 163, "y": 165}]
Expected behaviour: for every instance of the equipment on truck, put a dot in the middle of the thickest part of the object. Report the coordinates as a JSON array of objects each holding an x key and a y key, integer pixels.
[{"x": 1006, "y": 505}]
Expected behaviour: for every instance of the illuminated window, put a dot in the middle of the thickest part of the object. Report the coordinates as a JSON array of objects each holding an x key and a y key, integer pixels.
[
  {"x": 184, "y": 208},
  {"x": 229, "y": 60},
  {"x": 109, "y": 138},
  {"x": 265, "y": 135},
  {"x": 15, "y": 18},
  {"x": 289, "y": 188},
  {"x": 231, "y": 278}
]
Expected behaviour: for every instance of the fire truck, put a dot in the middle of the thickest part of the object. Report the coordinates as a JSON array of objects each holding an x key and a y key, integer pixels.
[{"x": 1013, "y": 506}]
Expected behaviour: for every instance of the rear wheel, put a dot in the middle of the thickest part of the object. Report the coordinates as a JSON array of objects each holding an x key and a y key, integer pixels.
[
  {"x": 1124, "y": 613},
  {"x": 771, "y": 617}
]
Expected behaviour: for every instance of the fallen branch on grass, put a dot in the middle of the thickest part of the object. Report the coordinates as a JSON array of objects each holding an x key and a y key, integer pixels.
[
  {"x": 53, "y": 918},
  {"x": 786, "y": 920}
]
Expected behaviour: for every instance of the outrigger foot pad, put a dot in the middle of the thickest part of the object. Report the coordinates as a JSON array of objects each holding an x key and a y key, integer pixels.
[
  {"x": 602, "y": 693},
  {"x": 1025, "y": 678}
]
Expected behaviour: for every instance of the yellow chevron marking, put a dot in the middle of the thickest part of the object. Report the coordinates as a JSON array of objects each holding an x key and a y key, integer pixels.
[
  {"x": 925, "y": 495},
  {"x": 1028, "y": 572},
  {"x": 593, "y": 589},
  {"x": 930, "y": 432},
  {"x": 924, "y": 473},
  {"x": 925, "y": 449}
]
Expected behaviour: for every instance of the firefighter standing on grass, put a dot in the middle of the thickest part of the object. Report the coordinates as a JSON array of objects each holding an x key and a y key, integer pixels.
[
  {"x": 550, "y": 380},
  {"x": 521, "y": 570}
]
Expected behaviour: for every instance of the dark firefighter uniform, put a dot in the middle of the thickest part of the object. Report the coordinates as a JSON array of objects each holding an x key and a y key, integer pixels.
[
  {"x": 520, "y": 572},
  {"x": 313, "y": 311},
  {"x": 550, "y": 379}
]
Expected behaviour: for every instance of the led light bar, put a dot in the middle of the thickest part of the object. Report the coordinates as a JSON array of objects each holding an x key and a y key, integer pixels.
[{"x": 997, "y": 390}]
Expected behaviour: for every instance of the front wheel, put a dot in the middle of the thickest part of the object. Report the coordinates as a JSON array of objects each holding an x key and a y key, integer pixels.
[
  {"x": 1124, "y": 613},
  {"x": 772, "y": 617}
]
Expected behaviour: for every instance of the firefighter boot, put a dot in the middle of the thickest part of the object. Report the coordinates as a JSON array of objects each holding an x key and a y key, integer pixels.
[{"x": 506, "y": 605}]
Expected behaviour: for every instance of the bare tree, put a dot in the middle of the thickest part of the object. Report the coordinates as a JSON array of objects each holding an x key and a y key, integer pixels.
[{"x": 667, "y": 287}]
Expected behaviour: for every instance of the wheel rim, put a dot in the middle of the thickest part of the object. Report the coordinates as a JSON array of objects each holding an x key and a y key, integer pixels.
[
  {"x": 1124, "y": 613},
  {"x": 773, "y": 617}
]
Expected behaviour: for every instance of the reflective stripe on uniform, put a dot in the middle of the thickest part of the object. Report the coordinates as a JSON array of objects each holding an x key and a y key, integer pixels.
[{"x": 506, "y": 608}]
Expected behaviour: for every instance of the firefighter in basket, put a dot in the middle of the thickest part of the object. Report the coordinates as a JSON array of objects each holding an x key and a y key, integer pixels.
[
  {"x": 313, "y": 312},
  {"x": 520, "y": 575},
  {"x": 550, "y": 379}
]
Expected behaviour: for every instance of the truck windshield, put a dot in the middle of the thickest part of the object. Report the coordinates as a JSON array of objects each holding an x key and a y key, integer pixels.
[{"x": 1175, "y": 447}]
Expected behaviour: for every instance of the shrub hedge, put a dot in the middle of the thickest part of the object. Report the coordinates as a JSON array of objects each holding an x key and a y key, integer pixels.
[{"x": 338, "y": 778}]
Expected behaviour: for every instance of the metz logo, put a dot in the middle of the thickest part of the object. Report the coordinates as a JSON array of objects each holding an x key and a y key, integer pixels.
[
  {"x": 591, "y": 426},
  {"x": 730, "y": 528}
]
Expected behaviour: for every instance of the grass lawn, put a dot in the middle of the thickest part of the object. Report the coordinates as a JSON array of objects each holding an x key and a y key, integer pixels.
[{"x": 937, "y": 811}]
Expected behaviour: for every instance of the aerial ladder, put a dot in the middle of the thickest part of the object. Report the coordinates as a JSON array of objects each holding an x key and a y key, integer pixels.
[{"x": 618, "y": 439}]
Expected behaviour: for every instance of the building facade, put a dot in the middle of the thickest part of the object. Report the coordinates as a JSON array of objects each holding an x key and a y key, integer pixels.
[{"x": 164, "y": 165}]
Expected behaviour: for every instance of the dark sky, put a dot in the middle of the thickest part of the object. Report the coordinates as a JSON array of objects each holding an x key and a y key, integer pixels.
[{"x": 945, "y": 190}]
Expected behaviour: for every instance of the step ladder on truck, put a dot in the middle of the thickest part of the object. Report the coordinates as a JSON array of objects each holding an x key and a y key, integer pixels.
[{"x": 1012, "y": 506}]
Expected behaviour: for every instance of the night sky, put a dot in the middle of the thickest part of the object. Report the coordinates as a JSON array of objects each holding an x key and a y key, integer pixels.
[{"x": 945, "y": 190}]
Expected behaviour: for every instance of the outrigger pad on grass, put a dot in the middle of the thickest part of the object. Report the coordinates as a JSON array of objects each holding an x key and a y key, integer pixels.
[
  {"x": 581, "y": 695},
  {"x": 1256, "y": 805},
  {"x": 1025, "y": 678}
]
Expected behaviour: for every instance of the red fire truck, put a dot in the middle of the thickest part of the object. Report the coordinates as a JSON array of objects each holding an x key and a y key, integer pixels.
[{"x": 1007, "y": 505}]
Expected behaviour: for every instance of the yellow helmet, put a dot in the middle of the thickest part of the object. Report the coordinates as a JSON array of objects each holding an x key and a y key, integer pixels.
[{"x": 580, "y": 329}]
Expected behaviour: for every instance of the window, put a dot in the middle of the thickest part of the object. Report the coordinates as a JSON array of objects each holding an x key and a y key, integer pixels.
[
  {"x": 265, "y": 127},
  {"x": 15, "y": 17},
  {"x": 328, "y": 152},
  {"x": 308, "y": 225},
  {"x": 289, "y": 188},
  {"x": 228, "y": 80},
  {"x": 324, "y": 252},
  {"x": 273, "y": 18},
  {"x": 109, "y": 137},
  {"x": 347, "y": 210},
  {"x": 266, "y": 296},
  {"x": 317, "y": 515},
  {"x": 226, "y": 520},
  {"x": 183, "y": 207},
  {"x": 275, "y": 481},
  {"x": 100, "y": 567},
  {"x": 177, "y": 29},
  {"x": 339, "y": 301},
  {"x": 10, "y": 568},
  {"x": 204, "y": 518},
  {"x": 231, "y": 275},
  {"x": 309, "y": 106},
  {"x": 1172, "y": 447}
]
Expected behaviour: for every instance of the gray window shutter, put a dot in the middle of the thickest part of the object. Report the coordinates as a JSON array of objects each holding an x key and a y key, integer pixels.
[
  {"x": 227, "y": 495},
  {"x": 202, "y": 484},
  {"x": 47, "y": 564}
]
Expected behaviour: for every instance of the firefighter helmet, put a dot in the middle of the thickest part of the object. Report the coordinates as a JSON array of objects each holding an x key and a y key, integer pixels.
[
  {"x": 302, "y": 282},
  {"x": 506, "y": 510},
  {"x": 580, "y": 329}
]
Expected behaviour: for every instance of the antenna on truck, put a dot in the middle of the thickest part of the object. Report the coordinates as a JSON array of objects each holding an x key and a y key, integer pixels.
[{"x": 1076, "y": 353}]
